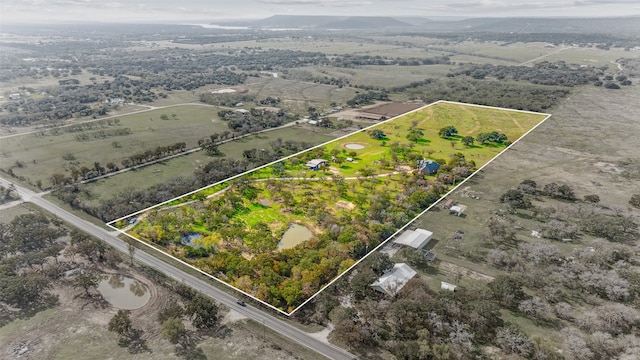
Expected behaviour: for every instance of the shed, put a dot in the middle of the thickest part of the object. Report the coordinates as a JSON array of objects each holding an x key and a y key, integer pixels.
[
  {"x": 392, "y": 281},
  {"x": 457, "y": 210},
  {"x": 448, "y": 204},
  {"x": 447, "y": 286},
  {"x": 416, "y": 239},
  {"x": 315, "y": 164}
]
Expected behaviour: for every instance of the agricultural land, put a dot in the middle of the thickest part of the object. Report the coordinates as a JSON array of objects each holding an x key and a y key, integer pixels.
[{"x": 365, "y": 187}]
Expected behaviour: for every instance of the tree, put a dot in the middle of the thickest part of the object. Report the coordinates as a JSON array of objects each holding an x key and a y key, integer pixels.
[
  {"x": 415, "y": 135},
  {"x": 377, "y": 134},
  {"x": 447, "y": 131},
  {"x": 468, "y": 140},
  {"x": 635, "y": 201},
  {"x": 120, "y": 323},
  {"x": 22, "y": 291},
  {"x": 172, "y": 311},
  {"x": 516, "y": 199},
  {"x": 173, "y": 330},
  {"x": 86, "y": 280},
  {"x": 514, "y": 341},
  {"x": 202, "y": 311},
  {"x": 507, "y": 290},
  {"x": 379, "y": 263}
]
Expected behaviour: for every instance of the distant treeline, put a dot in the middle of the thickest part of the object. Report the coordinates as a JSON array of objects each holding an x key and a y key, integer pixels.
[{"x": 544, "y": 73}]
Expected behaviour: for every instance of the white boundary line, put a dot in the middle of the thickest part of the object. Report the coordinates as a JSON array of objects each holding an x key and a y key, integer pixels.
[{"x": 315, "y": 147}]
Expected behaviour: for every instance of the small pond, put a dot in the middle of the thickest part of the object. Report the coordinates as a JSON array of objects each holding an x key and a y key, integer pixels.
[
  {"x": 123, "y": 292},
  {"x": 294, "y": 236},
  {"x": 354, "y": 146}
]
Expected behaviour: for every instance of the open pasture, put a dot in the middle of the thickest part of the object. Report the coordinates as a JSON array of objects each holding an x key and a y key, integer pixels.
[
  {"x": 162, "y": 172},
  {"x": 41, "y": 155}
]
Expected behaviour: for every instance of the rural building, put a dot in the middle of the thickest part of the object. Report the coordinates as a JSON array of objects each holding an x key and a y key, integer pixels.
[
  {"x": 367, "y": 116},
  {"x": 315, "y": 164},
  {"x": 392, "y": 281},
  {"x": 448, "y": 204},
  {"x": 15, "y": 96},
  {"x": 447, "y": 286},
  {"x": 416, "y": 239},
  {"x": 457, "y": 210},
  {"x": 428, "y": 167}
]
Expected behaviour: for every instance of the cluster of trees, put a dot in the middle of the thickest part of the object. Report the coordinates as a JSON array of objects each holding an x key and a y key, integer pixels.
[
  {"x": 351, "y": 60},
  {"x": 255, "y": 120},
  {"x": 545, "y": 73},
  {"x": 607, "y": 81},
  {"x": 228, "y": 100},
  {"x": 30, "y": 262},
  {"x": 417, "y": 323},
  {"x": 490, "y": 92},
  {"x": 368, "y": 98},
  {"x": 287, "y": 277},
  {"x": 102, "y": 134},
  {"x": 79, "y": 173}
]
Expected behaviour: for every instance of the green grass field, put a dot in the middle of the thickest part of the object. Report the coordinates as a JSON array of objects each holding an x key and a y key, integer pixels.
[
  {"x": 185, "y": 165},
  {"x": 42, "y": 155}
]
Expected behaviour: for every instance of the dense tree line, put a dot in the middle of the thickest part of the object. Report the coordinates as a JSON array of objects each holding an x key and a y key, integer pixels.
[{"x": 545, "y": 73}]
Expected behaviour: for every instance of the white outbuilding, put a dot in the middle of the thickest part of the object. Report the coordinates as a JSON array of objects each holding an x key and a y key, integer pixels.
[{"x": 416, "y": 239}]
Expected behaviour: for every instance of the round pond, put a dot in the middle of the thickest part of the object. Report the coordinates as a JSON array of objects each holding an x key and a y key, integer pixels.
[
  {"x": 354, "y": 146},
  {"x": 123, "y": 292}
]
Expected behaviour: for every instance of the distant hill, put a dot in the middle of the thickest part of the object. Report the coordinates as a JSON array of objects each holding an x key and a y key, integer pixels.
[
  {"x": 366, "y": 22},
  {"x": 627, "y": 25}
]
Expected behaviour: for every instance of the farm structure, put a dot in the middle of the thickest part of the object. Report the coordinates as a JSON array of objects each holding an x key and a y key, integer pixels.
[
  {"x": 416, "y": 239},
  {"x": 394, "y": 280},
  {"x": 344, "y": 209}
]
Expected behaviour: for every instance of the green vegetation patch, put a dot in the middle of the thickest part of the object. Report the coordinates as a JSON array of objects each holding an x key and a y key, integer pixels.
[{"x": 351, "y": 194}]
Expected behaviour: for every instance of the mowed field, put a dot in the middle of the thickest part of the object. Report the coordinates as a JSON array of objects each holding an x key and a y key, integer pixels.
[{"x": 42, "y": 154}]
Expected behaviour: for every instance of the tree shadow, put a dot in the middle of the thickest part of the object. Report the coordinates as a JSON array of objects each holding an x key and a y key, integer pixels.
[{"x": 187, "y": 348}]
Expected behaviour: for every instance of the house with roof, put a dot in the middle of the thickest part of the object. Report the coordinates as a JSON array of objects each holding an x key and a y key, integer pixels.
[
  {"x": 315, "y": 164},
  {"x": 427, "y": 167},
  {"x": 416, "y": 239},
  {"x": 394, "y": 280}
]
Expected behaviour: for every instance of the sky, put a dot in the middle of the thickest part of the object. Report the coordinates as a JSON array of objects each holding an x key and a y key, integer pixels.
[{"x": 183, "y": 11}]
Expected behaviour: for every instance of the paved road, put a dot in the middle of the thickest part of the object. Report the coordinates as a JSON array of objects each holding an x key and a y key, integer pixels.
[{"x": 254, "y": 313}]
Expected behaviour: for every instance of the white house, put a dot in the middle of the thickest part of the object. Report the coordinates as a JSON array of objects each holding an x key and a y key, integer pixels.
[
  {"x": 416, "y": 239},
  {"x": 392, "y": 281}
]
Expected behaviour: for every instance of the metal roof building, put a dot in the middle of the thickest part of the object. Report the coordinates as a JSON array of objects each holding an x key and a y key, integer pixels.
[
  {"x": 416, "y": 239},
  {"x": 392, "y": 281}
]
